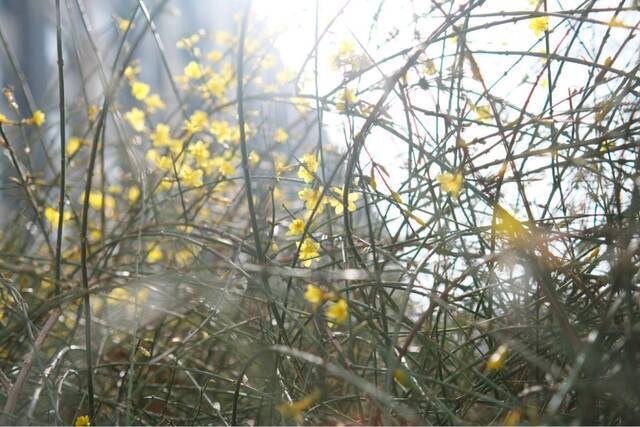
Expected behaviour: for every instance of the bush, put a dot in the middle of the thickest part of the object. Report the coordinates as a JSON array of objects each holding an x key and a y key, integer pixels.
[{"x": 441, "y": 228}]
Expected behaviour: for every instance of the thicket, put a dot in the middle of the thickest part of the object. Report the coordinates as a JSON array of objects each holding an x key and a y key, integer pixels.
[{"x": 209, "y": 251}]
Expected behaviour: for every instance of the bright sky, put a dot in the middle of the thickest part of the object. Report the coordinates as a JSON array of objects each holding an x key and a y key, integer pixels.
[{"x": 395, "y": 29}]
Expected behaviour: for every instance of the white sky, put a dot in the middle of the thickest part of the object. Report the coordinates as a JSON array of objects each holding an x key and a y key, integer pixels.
[{"x": 296, "y": 20}]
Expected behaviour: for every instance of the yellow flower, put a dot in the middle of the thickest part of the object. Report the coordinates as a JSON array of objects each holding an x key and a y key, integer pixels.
[
  {"x": 430, "y": 67},
  {"x": 539, "y": 25},
  {"x": 92, "y": 113},
  {"x": 451, "y": 183},
  {"x": 311, "y": 198},
  {"x": 155, "y": 254},
  {"x": 294, "y": 410},
  {"x": 311, "y": 162},
  {"x": 280, "y": 167},
  {"x": 346, "y": 55},
  {"x": 280, "y": 136},
  {"x": 314, "y": 294},
  {"x": 606, "y": 146},
  {"x": 53, "y": 215},
  {"x": 226, "y": 168},
  {"x": 310, "y": 167},
  {"x": 162, "y": 162},
  {"x": 296, "y": 228},
  {"x": 183, "y": 257},
  {"x": 346, "y": 49},
  {"x": 254, "y": 158},
  {"x": 133, "y": 194},
  {"x": 197, "y": 121},
  {"x": 214, "y": 55},
  {"x": 216, "y": 85},
  {"x": 139, "y": 90},
  {"x": 123, "y": 25},
  {"x": 191, "y": 177},
  {"x": 200, "y": 151},
  {"x": 483, "y": 112},
  {"x": 161, "y": 137},
  {"x": 82, "y": 420},
  {"x": 338, "y": 311},
  {"x": 221, "y": 130},
  {"x": 95, "y": 235},
  {"x": 154, "y": 102},
  {"x": 135, "y": 117},
  {"x": 497, "y": 359},
  {"x": 165, "y": 184},
  {"x": 347, "y": 99},
  {"x": 73, "y": 145},
  {"x": 235, "y": 133},
  {"x": 193, "y": 70},
  {"x": 336, "y": 202},
  {"x": 38, "y": 118},
  {"x": 507, "y": 225},
  {"x": 305, "y": 175},
  {"x": 131, "y": 72},
  {"x": 97, "y": 200},
  {"x": 308, "y": 251},
  {"x": 5, "y": 121}
]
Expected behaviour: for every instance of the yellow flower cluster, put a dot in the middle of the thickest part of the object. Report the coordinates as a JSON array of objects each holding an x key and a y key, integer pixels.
[
  {"x": 451, "y": 183},
  {"x": 202, "y": 77},
  {"x": 337, "y": 311},
  {"x": 141, "y": 92},
  {"x": 311, "y": 198},
  {"x": 346, "y": 57},
  {"x": 167, "y": 153},
  {"x": 38, "y": 118},
  {"x": 336, "y": 201},
  {"x": 308, "y": 168}
]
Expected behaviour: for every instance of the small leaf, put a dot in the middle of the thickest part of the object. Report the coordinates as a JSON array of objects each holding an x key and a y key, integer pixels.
[
  {"x": 475, "y": 70},
  {"x": 372, "y": 180}
]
